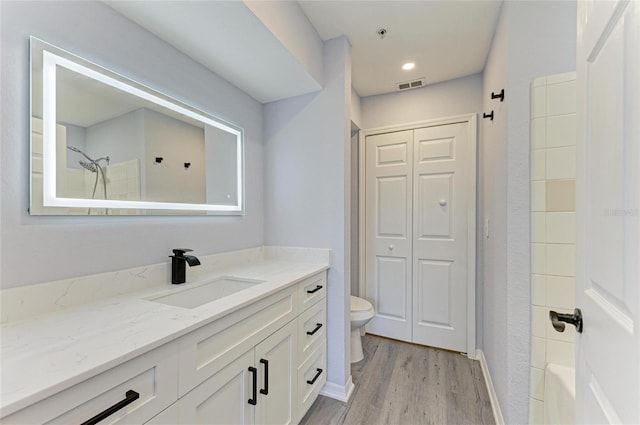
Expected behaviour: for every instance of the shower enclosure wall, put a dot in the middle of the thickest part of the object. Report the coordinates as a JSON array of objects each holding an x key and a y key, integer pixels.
[{"x": 553, "y": 165}]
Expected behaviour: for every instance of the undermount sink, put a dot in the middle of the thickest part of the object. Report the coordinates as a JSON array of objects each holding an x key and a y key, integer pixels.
[{"x": 206, "y": 292}]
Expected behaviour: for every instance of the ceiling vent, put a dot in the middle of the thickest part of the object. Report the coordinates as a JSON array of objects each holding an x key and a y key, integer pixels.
[{"x": 408, "y": 85}]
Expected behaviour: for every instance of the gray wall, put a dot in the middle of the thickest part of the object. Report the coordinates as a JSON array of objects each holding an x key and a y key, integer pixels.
[
  {"x": 356, "y": 110},
  {"x": 355, "y": 214},
  {"x": 307, "y": 158},
  {"x": 455, "y": 97},
  {"x": 523, "y": 49},
  {"x": 493, "y": 165},
  {"x": 120, "y": 138},
  {"x": 39, "y": 249},
  {"x": 177, "y": 142}
]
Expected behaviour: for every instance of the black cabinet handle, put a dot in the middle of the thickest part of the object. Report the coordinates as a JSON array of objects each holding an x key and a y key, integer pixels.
[
  {"x": 265, "y": 390},
  {"x": 129, "y": 397},
  {"x": 253, "y": 400},
  {"x": 315, "y": 378},
  {"x": 313, "y": 291},
  {"x": 317, "y": 328}
]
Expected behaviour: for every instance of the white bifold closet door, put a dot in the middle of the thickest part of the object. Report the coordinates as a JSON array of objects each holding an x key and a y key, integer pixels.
[
  {"x": 416, "y": 224},
  {"x": 389, "y": 200}
]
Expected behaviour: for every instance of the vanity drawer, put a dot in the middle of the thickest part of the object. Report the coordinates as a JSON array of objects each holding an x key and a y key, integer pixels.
[
  {"x": 152, "y": 377},
  {"x": 312, "y": 375},
  {"x": 312, "y": 329},
  {"x": 311, "y": 290},
  {"x": 209, "y": 349}
]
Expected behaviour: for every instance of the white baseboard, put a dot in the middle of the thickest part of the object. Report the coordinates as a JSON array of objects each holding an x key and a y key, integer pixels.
[
  {"x": 338, "y": 392},
  {"x": 493, "y": 397}
]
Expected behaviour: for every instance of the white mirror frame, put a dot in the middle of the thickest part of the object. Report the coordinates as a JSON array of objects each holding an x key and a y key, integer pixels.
[{"x": 50, "y": 199}]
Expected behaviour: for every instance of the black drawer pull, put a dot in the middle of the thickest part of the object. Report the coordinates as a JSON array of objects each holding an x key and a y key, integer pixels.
[
  {"x": 313, "y": 291},
  {"x": 253, "y": 400},
  {"x": 317, "y": 328},
  {"x": 265, "y": 390},
  {"x": 315, "y": 378},
  {"x": 129, "y": 398}
]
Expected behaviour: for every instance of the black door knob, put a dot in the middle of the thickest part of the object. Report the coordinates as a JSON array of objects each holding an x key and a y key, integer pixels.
[{"x": 558, "y": 320}]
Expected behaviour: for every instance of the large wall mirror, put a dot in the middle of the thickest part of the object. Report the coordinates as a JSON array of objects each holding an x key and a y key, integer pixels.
[{"x": 102, "y": 144}]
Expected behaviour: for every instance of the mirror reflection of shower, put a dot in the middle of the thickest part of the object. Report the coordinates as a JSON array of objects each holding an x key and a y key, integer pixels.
[{"x": 94, "y": 166}]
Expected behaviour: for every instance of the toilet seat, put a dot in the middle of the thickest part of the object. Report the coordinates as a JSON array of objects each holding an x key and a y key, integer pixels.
[
  {"x": 361, "y": 309},
  {"x": 360, "y": 304}
]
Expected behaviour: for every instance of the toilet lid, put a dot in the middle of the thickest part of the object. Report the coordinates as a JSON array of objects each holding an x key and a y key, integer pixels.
[{"x": 359, "y": 304}]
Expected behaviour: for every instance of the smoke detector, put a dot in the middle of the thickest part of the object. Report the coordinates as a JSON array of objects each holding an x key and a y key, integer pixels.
[{"x": 408, "y": 85}]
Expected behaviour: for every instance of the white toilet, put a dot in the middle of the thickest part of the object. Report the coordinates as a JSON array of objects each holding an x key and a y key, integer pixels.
[{"x": 361, "y": 312}]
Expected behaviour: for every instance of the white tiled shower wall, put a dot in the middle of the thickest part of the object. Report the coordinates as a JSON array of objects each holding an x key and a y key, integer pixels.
[{"x": 553, "y": 173}]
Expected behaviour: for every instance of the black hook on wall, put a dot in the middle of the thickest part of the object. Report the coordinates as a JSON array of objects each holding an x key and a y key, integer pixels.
[
  {"x": 187, "y": 165},
  {"x": 498, "y": 96},
  {"x": 159, "y": 159},
  {"x": 485, "y": 115}
]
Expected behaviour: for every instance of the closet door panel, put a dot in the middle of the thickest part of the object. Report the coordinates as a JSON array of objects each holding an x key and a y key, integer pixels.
[
  {"x": 392, "y": 303},
  {"x": 434, "y": 290},
  {"x": 441, "y": 155},
  {"x": 434, "y": 221},
  {"x": 389, "y": 198},
  {"x": 391, "y": 192}
]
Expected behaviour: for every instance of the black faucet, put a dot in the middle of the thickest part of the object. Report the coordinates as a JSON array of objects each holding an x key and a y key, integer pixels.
[{"x": 178, "y": 268}]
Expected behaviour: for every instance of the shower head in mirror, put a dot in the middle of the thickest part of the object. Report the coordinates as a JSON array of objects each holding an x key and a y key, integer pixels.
[{"x": 88, "y": 166}]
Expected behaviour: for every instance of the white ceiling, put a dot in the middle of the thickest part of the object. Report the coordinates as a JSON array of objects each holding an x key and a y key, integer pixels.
[
  {"x": 227, "y": 38},
  {"x": 445, "y": 39}
]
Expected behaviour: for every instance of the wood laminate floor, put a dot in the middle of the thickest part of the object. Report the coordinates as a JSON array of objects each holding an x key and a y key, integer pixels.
[{"x": 405, "y": 384}]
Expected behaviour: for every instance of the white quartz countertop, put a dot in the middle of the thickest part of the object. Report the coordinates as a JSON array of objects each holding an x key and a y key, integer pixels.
[{"x": 50, "y": 353}]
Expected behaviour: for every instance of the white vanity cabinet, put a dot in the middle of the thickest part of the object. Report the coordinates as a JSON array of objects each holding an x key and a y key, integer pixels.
[
  {"x": 272, "y": 352},
  {"x": 143, "y": 387},
  {"x": 263, "y": 363},
  {"x": 237, "y": 359},
  {"x": 256, "y": 388}
]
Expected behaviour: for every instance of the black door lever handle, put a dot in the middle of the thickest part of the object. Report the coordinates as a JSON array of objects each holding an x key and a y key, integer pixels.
[{"x": 558, "y": 320}]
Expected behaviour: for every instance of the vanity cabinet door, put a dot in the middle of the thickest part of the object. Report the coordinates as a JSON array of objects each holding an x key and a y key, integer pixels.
[
  {"x": 258, "y": 387},
  {"x": 276, "y": 360},
  {"x": 223, "y": 398}
]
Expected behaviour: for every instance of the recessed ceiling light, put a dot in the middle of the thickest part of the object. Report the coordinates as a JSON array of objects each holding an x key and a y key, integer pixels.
[{"x": 408, "y": 66}]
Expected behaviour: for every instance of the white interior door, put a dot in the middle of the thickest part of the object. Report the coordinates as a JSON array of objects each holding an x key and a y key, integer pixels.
[
  {"x": 389, "y": 188},
  {"x": 441, "y": 174},
  {"x": 608, "y": 282}
]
